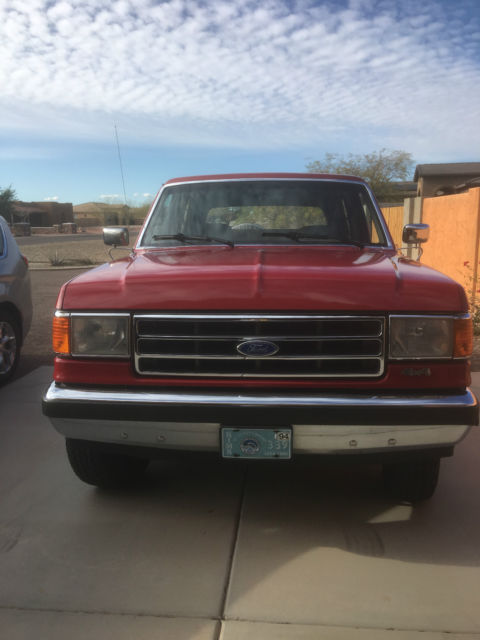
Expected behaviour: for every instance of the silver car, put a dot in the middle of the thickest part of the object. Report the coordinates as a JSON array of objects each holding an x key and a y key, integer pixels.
[{"x": 15, "y": 302}]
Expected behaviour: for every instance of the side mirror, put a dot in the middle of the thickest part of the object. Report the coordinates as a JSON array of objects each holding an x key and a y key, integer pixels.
[
  {"x": 116, "y": 236},
  {"x": 415, "y": 233}
]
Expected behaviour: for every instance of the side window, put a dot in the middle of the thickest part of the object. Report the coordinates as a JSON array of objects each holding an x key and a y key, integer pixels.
[
  {"x": 374, "y": 228},
  {"x": 360, "y": 220},
  {"x": 2, "y": 242}
]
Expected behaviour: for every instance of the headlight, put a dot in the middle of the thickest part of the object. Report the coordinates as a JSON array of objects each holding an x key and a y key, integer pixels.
[
  {"x": 425, "y": 337},
  {"x": 99, "y": 335},
  {"x": 87, "y": 334}
]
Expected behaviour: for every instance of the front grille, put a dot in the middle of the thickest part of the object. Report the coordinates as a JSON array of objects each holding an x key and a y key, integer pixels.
[{"x": 306, "y": 346}]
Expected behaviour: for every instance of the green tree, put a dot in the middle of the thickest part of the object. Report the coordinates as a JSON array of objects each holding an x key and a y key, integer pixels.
[
  {"x": 7, "y": 198},
  {"x": 381, "y": 169}
]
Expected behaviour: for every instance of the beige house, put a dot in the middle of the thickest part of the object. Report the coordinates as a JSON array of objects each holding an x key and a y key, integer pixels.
[{"x": 98, "y": 214}]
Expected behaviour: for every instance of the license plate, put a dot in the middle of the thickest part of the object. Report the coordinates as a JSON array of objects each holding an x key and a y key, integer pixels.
[{"x": 239, "y": 442}]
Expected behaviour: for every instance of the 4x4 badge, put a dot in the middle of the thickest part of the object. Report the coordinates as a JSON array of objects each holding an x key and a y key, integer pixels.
[{"x": 257, "y": 348}]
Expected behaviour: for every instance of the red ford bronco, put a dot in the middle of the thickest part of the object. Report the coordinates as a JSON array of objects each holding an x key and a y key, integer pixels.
[{"x": 266, "y": 317}]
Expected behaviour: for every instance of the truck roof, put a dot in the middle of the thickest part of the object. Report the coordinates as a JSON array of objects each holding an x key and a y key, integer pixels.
[{"x": 263, "y": 176}]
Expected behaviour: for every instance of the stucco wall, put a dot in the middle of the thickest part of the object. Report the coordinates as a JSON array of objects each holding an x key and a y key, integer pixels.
[{"x": 453, "y": 247}]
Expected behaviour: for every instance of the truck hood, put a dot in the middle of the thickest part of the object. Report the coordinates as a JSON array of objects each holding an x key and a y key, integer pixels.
[{"x": 248, "y": 278}]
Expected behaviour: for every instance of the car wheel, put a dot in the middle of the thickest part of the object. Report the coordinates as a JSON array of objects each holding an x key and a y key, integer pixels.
[
  {"x": 9, "y": 346},
  {"x": 412, "y": 480},
  {"x": 94, "y": 465}
]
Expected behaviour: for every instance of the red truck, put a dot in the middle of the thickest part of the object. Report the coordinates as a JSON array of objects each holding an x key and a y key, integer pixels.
[{"x": 263, "y": 317}]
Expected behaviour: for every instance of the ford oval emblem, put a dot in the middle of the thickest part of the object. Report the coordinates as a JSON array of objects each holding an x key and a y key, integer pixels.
[{"x": 257, "y": 348}]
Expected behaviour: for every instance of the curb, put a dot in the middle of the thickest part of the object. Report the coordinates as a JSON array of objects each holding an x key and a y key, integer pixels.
[{"x": 66, "y": 268}]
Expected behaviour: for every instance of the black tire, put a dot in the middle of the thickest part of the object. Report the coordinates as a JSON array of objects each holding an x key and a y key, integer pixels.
[
  {"x": 412, "y": 480},
  {"x": 94, "y": 465},
  {"x": 10, "y": 339}
]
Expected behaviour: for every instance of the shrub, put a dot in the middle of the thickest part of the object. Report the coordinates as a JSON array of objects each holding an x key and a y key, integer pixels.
[{"x": 56, "y": 260}]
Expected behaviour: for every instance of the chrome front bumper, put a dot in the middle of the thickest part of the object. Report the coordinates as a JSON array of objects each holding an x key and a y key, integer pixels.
[{"x": 327, "y": 423}]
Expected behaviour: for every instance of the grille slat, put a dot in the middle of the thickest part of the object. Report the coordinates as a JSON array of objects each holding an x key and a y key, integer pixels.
[{"x": 308, "y": 346}]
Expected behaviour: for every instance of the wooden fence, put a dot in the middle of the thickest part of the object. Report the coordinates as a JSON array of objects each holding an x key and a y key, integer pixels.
[
  {"x": 454, "y": 244},
  {"x": 394, "y": 219},
  {"x": 453, "y": 247}
]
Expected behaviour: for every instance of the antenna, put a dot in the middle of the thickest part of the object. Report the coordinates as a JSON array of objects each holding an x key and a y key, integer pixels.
[{"x": 120, "y": 161}]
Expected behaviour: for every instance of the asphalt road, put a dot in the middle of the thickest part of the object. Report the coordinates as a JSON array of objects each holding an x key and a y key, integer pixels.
[
  {"x": 23, "y": 241},
  {"x": 37, "y": 349},
  {"x": 54, "y": 239}
]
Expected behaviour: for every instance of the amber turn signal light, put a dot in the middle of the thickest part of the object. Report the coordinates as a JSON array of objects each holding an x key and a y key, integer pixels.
[
  {"x": 463, "y": 346},
  {"x": 61, "y": 335}
]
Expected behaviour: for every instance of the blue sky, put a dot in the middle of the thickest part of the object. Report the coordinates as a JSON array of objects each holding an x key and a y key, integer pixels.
[{"x": 225, "y": 86}]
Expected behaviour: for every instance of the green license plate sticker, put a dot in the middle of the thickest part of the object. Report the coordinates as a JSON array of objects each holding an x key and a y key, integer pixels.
[{"x": 256, "y": 443}]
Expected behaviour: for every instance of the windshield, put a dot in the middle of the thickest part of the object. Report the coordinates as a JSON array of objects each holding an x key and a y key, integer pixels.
[{"x": 265, "y": 212}]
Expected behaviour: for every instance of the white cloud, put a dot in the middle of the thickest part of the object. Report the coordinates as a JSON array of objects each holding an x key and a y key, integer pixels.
[
  {"x": 110, "y": 196},
  {"x": 51, "y": 199},
  {"x": 233, "y": 73}
]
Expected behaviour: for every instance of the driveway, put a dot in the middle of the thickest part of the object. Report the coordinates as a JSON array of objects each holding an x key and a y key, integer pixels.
[
  {"x": 215, "y": 551},
  {"x": 208, "y": 551}
]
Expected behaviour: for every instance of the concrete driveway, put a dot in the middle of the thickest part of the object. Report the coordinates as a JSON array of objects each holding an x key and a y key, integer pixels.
[{"x": 221, "y": 552}]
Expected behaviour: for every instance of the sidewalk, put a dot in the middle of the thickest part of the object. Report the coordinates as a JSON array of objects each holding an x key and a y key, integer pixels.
[{"x": 204, "y": 552}]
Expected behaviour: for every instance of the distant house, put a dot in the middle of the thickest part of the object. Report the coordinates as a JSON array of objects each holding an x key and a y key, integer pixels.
[
  {"x": 97, "y": 214},
  {"x": 28, "y": 212},
  {"x": 43, "y": 214},
  {"x": 447, "y": 178}
]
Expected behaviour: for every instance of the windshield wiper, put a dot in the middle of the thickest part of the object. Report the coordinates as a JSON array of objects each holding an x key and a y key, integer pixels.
[
  {"x": 181, "y": 237},
  {"x": 300, "y": 237}
]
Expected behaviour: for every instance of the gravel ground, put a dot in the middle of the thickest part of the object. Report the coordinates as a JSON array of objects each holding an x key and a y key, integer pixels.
[
  {"x": 72, "y": 250},
  {"x": 84, "y": 252}
]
